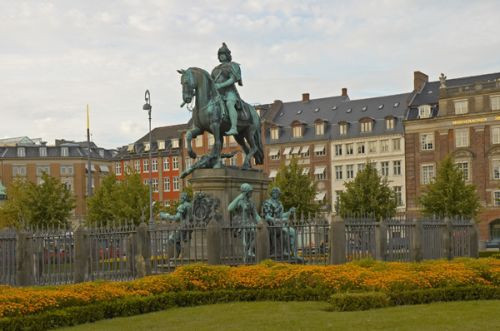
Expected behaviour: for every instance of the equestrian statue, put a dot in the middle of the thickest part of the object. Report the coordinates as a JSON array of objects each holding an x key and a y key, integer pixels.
[{"x": 218, "y": 109}]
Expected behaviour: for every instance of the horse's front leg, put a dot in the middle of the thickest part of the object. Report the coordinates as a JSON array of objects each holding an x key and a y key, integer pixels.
[
  {"x": 217, "y": 148},
  {"x": 193, "y": 133},
  {"x": 247, "y": 164}
]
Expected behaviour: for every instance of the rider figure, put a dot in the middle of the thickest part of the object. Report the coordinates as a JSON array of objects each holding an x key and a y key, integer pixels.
[{"x": 225, "y": 76}]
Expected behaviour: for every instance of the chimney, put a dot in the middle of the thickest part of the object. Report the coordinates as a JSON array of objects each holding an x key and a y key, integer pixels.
[
  {"x": 419, "y": 80},
  {"x": 344, "y": 92},
  {"x": 305, "y": 97}
]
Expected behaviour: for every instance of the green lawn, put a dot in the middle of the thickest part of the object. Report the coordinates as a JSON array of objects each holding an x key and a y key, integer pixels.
[{"x": 471, "y": 315}]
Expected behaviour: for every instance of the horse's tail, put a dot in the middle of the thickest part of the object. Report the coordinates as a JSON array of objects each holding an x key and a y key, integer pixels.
[{"x": 259, "y": 154}]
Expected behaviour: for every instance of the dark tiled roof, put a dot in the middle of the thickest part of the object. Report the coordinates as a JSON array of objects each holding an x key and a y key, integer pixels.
[
  {"x": 340, "y": 109},
  {"x": 74, "y": 151},
  {"x": 164, "y": 133}
]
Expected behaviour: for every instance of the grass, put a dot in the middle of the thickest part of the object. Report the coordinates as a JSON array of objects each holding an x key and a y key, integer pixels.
[{"x": 469, "y": 315}]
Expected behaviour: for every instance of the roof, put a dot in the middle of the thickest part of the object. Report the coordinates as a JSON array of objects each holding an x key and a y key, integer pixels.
[
  {"x": 24, "y": 140},
  {"x": 74, "y": 151},
  {"x": 164, "y": 133},
  {"x": 340, "y": 109}
]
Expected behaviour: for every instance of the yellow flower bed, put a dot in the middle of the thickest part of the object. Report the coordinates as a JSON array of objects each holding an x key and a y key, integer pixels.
[{"x": 366, "y": 275}]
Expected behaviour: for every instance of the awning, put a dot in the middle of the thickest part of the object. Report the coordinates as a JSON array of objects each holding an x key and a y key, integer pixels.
[
  {"x": 287, "y": 151},
  {"x": 104, "y": 168},
  {"x": 305, "y": 149},
  {"x": 320, "y": 196},
  {"x": 87, "y": 168},
  {"x": 274, "y": 151},
  {"x": 319, "y": 148},
  {"x": 296, "y": 150},
  {"x": 273, "y": 173},
  {"x": 319, "y": 170},
  {"x": 305, "y": 171}
]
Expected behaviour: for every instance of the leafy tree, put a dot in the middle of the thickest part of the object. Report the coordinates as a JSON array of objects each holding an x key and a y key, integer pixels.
[
  {"x": 120, "y": 201},
  {"x": 448, "y": 195},
  {"x": 297, "y": 189},
  {"x": 47, "y": 204},
  {"x": 368, "y": 193}
]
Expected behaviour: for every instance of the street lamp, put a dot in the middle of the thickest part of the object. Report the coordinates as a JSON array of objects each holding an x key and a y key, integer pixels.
[{"x": 147, "y": 106}]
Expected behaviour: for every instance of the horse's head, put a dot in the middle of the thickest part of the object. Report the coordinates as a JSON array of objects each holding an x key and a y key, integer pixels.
[{"x": 188, "y": 85}]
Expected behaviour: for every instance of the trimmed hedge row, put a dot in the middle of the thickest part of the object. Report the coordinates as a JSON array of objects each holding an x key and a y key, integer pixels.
[
  {"x": 371, "y": 300},
  {"x": 492, "y": 254},
  {"x": 140, "y": 305}
]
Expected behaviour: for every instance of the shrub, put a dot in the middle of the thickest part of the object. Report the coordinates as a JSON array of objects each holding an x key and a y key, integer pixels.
[{"x": 358, "y": 301}]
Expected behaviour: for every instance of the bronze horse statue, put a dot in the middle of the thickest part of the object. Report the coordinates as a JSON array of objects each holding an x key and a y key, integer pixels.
[{"x": 209, "y": 114}]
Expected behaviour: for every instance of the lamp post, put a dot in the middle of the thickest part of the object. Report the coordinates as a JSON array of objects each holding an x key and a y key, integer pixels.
[{"x": 147, "y": 106}]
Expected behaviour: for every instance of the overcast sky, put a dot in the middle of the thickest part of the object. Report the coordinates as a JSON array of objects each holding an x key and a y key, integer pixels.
[{"x": 58, "y": 56}]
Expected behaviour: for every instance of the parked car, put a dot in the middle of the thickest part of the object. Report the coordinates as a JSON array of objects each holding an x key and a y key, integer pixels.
[{"x": 494, "y": 243}]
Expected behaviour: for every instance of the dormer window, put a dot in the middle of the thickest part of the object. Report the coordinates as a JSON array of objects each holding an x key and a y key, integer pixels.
[
  {"x": 64, "y": 151},
  {"x": 275, "y": 133},
  {"x": 130, "y": 148},
  {"x": 101, "y": 153},
  {"x": 147, "y": 147},
  {"x": 319, "y": 128},
  {"x": 343, "y": 129},
  {"x": 389, "y": 123},
  {"x": 161, "y": 144},
  {"x": 297, "y": 131},
  {"x": 175, "y": 143},
  {"x": 21, "y": 152},
  {"x": 424, "y": 111},
  {"x": 43, "y": 151},
  {"x": 461, "y": 107},
  {"x": 366, "y": 126}
]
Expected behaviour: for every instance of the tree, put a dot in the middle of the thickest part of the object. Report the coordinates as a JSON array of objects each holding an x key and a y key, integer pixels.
[
  {"x": 448, "y": 195},
  {"x": 47, "y": 204},
  {"x": 297, "y": 189},
  {"x": 367, "y": 194},
  {"x": 120, "y": 201}
]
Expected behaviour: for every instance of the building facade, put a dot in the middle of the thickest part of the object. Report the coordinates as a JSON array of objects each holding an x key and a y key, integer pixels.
[
  {"x": 460, "y": 117},
  {"x": 65, "y": 160}
]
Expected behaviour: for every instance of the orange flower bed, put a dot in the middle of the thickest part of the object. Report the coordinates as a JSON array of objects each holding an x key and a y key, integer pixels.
[{"x": 365, "y": 275}]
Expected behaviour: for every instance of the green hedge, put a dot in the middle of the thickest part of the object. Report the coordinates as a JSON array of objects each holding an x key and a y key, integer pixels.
[
  {"x": 140, "y": 305},
  {"x": 493, "y": 254},
  {"x": 370, "y": 300}
]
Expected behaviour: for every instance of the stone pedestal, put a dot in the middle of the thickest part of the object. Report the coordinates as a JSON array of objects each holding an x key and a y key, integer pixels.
[{"x": 225, "y": 183}]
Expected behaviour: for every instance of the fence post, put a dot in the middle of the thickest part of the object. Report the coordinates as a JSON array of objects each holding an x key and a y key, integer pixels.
[
  {"x": 447, "y": 240},
  {"x": 82, "y": 254},
  {"x": 337, "y": 241},
  {"x": 380, "y": 240},
  {"x": 24, "y": 258},
  {"x": 142, "y": 257},
  {"x": 262, "y": 242},
  {"x": 417, "y": 241},
  {"x": 214, "y": 242},
  {"x": 474, "y": 240}
]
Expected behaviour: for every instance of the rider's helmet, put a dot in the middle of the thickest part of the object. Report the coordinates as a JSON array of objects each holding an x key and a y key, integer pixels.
[
  {"x": 245, "y": 188},
  {"x": 224, "y": 50}
]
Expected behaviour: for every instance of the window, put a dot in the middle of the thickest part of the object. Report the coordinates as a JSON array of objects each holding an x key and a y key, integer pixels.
[
  {"x": 349, "y": 149},
  {"x": 145, "y": 165},
  {"x": 42, "y": 169},
  {"x": 389, "y": 123},
  {"x": 426, "y": 141},
  {"x": 175, "y": 143},
  {"x": 462, "y": 137},
  {"x": 366, "y": 126},
  {"x": 147, "y": 147},
  {"x": 137, "y": 166},
  {"x": 320, "y": 172},
  {"x": 495, "y": 102},
  {"x": 338, "y": 172},
  {"x": 274, "y": 153},
  {"x": 396, "y": 168},
  {"x": 189, "y": 162},
  {"x": 349, "y": 171},
  {"x": 319, "y": 150},
  {"x": 68, "y": 184},
  {"x": 198, "y": 141},
  {"x": 461, "y": 107},
  {"x": 118, "y": 168},
  {"x": 146, "y": 182},
  {"x": 297, "y": 131},
  {"x": 396, "y": 144},
  {"x": 155, "y": 184},
  {"x": 161, "y": 144},
  {"x": 154, "y": 165},
  {"x": 384, "y": 146},
  {"x": 176, "y": 183},
  {"x": 361, "y": 148},
  {"x": 130, "y": 148},
  {"x": 495, "y": 135},
  {"x": 399, "y": 195},
  {"x": 166, "y": 163},
  {"x": 211, "y": 140},
  {"x": 320, "y": 128},
  {"x": 424, "y": 111},
  {"x": 127, "y": 167},
  {"x": 66, "y": 170},
  {"x": 496, "y": 198},
  {"x": 21, "y": 152},
  {"x": 343, "y": 129},
  {"x": 361, "y": 166},
  {"x": 384, "y": 168},
  {"x": 427, "y": 173},
  {"x": 19, "y": 170},
  {"x": 175, "y": 162},
  {"x": 43, "y": 151},
  {"x": 101, "y": 153},
  {"x": 496, "y": 169},
  {"x": 372, "y": 147},
  {"x": 64, "y": 151},
  {"x": 304, "y": 151},
  {"x": 338, "y": 150},
  {"x": 463, "y": 166},
  {"x": 275, "y": 133}
]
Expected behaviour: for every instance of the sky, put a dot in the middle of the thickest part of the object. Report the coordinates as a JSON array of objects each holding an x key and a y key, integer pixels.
[{"x": 58, "y": 56}]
